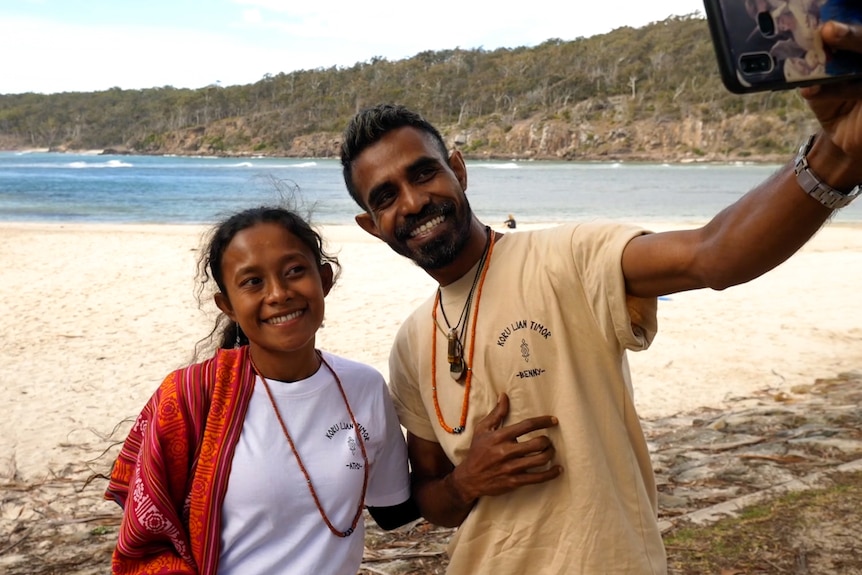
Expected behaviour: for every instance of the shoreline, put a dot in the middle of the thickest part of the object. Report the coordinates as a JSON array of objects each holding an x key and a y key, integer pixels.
[
  {"x": 633, "y": 158},
  {"x": 351, "y": 232},
  {"x": 99, "y": 313}
]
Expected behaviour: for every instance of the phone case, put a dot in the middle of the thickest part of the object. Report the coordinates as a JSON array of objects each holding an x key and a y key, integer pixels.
[{"x": 775, "y": 44}]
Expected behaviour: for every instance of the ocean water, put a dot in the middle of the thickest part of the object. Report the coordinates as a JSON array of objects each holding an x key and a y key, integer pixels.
[{"x": 53, "y": 187}]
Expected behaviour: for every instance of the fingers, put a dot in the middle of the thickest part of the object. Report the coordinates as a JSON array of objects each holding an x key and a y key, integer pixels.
[
  {"x": 495, "y": 417},
  {"x": 540, "y": 476},
  {"x": 809, "y": 91},
  {"x": 512, "y": 432},
  {"x": 516, "y": 457},
  {"x": 497, "y": 462},
  {"x": 551, "y": 473},
  {"x": 512, "y": 473},
  {"x": 538, "y": 444},
  {"x": 842, "y": 36},
  {"x": 537, "y": 453},
  {"x": 839, "y": 36},
  {"x": 532, "y": 469},
  {"x": 849, "y": 90}
]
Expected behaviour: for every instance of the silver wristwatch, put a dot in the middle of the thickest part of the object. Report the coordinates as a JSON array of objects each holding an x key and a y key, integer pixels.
[{"x": 817, "y": 188}]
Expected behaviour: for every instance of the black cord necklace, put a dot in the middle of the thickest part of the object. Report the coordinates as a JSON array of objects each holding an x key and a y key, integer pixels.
[{"x": 455, "y": 335}]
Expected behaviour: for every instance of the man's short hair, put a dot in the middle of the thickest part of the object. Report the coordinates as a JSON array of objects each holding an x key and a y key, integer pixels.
[{"x": 370, "y": 125}]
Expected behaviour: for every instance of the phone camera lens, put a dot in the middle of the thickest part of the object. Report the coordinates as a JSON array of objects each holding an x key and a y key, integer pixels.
[
  {"x": 759, "y": 63},
  {"x": 766, "y": 24}
]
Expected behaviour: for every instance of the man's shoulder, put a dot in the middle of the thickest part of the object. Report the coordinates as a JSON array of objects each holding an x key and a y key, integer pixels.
[
  {"x": 581, "y": 230},
  {"x": 564, "y": 232},
  {"x": 423, "y": 310},
  {"x": 584, "y": 241}
]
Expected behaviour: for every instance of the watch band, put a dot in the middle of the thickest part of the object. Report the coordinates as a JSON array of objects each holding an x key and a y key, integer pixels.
[{"x": 817, "y": 188}]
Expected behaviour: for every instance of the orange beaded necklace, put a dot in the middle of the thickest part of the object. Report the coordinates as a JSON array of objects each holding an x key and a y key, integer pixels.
[
  {"x": 361, "y": 505},
  {"x": 465, "y": 404}
]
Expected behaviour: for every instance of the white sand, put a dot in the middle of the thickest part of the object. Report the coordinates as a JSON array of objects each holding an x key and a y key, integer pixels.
[{"x": 96, "y": 316}]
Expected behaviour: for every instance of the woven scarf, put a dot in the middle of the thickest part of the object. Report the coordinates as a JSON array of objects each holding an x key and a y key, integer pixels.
[{"x": 171, "y": 474}]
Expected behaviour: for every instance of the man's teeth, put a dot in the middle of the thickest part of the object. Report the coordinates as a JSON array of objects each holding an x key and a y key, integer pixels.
[
  {"x": 427, "y": 226},
  {"x": 284, "y": 318}
]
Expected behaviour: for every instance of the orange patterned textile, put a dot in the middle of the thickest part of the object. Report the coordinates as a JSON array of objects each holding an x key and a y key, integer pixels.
[{"x": 171, "y": 474}]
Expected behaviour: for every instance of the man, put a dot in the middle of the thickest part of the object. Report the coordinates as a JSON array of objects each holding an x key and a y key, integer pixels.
[{"x": 532, "y": 329}]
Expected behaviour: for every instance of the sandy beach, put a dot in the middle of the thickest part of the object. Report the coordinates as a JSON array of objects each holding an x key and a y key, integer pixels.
[{"x": 96, "y": 316}]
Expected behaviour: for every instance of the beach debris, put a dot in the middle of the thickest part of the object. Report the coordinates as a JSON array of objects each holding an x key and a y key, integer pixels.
[{"x": 708, "y": 464}]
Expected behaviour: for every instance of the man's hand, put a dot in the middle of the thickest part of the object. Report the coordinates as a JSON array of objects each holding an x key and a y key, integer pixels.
[
  {"x": 498, "y": 463},
  {"x": 838, "y": 106}
]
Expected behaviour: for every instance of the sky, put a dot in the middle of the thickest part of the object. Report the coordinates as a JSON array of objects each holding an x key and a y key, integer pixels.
[{"x": 50, "y": 46}]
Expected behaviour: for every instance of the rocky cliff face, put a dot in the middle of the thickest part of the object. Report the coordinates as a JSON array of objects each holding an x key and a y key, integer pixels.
[
  {"x": 685, "y": 140},
  {"x": 753, "y": 137},
  {"x": 744, "y": 137},
  {"x": 588, "y": 131}
]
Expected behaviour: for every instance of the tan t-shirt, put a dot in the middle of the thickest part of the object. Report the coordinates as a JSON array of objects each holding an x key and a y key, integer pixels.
[{"x": 553, "y": 326}]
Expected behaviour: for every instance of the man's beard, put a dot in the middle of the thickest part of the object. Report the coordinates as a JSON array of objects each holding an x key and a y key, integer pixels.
[{"x": 442, "y": 251}]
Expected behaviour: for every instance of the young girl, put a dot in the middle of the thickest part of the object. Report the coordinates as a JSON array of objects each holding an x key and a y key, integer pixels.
[{"x": 261, "y": 458}]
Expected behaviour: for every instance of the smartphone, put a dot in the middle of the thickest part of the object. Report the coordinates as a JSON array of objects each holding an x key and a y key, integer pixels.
[{"x": 775, "y": 44}]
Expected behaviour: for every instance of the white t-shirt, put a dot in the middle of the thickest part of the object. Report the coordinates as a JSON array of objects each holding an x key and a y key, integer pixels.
[{"x": 270, "y": 523}]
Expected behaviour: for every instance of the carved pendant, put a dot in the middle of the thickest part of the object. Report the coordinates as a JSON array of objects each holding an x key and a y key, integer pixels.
[
  {"x": 452, "y": 350},
  {"x": 454, "y": 356},
  {"x": 457, "y": 370}
]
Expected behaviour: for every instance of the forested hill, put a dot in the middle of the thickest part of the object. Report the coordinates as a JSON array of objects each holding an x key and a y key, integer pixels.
[{"x": 646, "y": 93}]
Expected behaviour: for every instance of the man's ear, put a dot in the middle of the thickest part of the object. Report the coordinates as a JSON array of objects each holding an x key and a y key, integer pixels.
[
  {"x": 326, "y": 278},
  {"x": 223, "y": 304},
  {"x": 456, "y": 162},
  {"x": 366, "y": 222}
]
